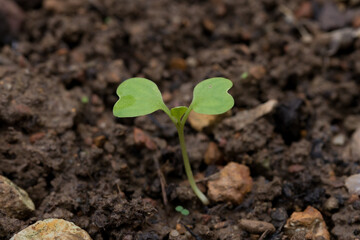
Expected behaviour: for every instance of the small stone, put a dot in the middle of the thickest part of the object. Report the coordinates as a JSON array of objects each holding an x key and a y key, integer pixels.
[
  {"x": 212, "y": 154},
  {"x": 233, "y": 183},
  {"x": 257, "y": 72},
  {"x": 178, "y": 63},
  {"x": 309, "y": 223},
  {"x": 200, "y": 121},
  {"x": 220, "y": 225},
  {"x": 355, "y": 144},
  {"x": 254, "y": 226},
  {"x": 331, "y": 204},
  {"x": 295, "y": 168},
  {"x": 99, "y": 141},
  {"x": 14, "y": 201},
  {"x": 141, "y": 138},
  {"x": 180, "y": 228},
  {"x": 174, "y": 233},
  {"x": 36, "y": 137},
  {"x": 305, "y": 10},
  {"x": 208, "y": 25},
  {"x": 356, "y": 21},
  {"x": 339, "y": 140},
  {"x": 50, "y": 229},
  {"x": 191, "y": 62},
  {"x": 167, "y": 96},
  {"x": 352, "y": 183}
]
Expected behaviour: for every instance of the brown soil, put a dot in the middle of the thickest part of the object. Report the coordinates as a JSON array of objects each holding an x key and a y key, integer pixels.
[{"x": 60, "y": 142}]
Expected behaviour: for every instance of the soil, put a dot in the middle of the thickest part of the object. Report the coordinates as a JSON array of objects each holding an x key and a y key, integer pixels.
[{"x": 60, "y": 142}]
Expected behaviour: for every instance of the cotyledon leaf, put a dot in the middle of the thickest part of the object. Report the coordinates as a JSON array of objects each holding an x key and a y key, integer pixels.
[
  {"x": 211, "y": 96},
  {"x": 178, "y": 112},
  {"x": 138, "y": 97}
]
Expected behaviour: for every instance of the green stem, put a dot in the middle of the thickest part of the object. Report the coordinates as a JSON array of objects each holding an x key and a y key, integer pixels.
[{"x": 188, "y": 171}]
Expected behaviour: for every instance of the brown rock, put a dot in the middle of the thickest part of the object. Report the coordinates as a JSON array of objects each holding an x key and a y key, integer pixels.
[
  {"x": 305, "y": 10},
  {"x": 50, "y": 229},
  {"x": 233, "y": 183},
  {"x": 141, "y": 138},
  {"x": 356, "y": 22},
  {"x": 65, "y": 6},
  {"x": 254, "y": 226},
  {"x": 178, "y": 63},
  {"x": 14, "y": 201},
  {"x": 309, "y": 223},
  {"x": 208, "y": 25},
  {"x": 99, "y": 141},
  {"x": 355, "y": 145},
  {"x": 212, "y": 154},
  {"x": 200, "y": 121},
  {"x": 36, "y": 137},
  {"x": 257, "y": 72}
]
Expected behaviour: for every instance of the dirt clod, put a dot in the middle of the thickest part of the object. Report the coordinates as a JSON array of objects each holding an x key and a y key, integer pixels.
[
  {"x": 355, "y": 144},
  {"x": 254, "y": 226},
  {"x": 232, "y": 185},
  {"x": 308, "y": 223},
  {"x": 50, "y": 229},
  {"x": 14, "y": 201}
]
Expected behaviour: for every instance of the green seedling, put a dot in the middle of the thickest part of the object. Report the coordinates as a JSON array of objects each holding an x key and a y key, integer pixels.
[
  {"x": 245, "y": 75},
  {"x": 84, "y": 99},
  {"x": 140, "y": 96},
  {"x": 182, "y": 210}
]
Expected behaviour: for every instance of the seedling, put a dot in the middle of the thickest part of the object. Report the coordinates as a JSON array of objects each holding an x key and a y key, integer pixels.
[
  {"x": 182, "y": 210},
  {"x": 245, "y": 75},
  {"x": 140, "y": 96}
]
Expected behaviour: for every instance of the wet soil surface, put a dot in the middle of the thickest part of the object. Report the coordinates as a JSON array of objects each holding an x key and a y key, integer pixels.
[{"x": 60, "y": 142}]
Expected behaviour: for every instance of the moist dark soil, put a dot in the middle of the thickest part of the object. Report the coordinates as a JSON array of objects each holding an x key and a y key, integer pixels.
[{"x": 60, "y": 142}]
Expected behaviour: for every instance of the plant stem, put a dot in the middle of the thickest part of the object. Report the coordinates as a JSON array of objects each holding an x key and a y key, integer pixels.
[{"x": 188, "y": 171}]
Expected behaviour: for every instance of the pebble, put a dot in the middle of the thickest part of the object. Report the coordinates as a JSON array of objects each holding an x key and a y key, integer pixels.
[
  {"x": 331, "y": 204},
  {"x": 355, "y": 144},
  {"x": 99, "y": 141},
  {"x": 308, "y": 223},
  {"x": 212, "y": 154},
  {"x": 178, "y": 63},
  {"x": 353, "y": 184},
  {"x": 14, "y": 201},
  {"x": 36, "y": 137},
  {"x": 141, "y": 138},
  {"x": 50, "y": 229},
  {"x": 258, "y": 72},
  {"x": 174, "y": 233},
  {"x": 200, "y": 121},
  {"x": 356, "y": 21},
  {"x": 305, "y": 10},
  {"x": 256, "y": 227},
  {"x": 208, "y": 25},
  {"x": 233, "y": 184},
  {"x": 339, "y": 139}
]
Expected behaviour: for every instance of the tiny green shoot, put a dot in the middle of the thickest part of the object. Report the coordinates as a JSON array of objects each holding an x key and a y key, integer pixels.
[
  {"x": 140, "y": 96},
  {"x": 245, "y": 75},
  {"x": 182, "y": 210},
  {"x": 84, "y": 99}
]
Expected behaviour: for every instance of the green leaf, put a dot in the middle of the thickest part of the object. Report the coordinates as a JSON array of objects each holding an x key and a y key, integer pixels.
[
  {"x": 185, "y": 212},
  {"x": 244, "y": 75},
  {"x": 179, "y": 208},
  {"x": 178, "y": 112},
  {"x": 137, "y": 97},
  {"x": 211, "y": 96}
]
